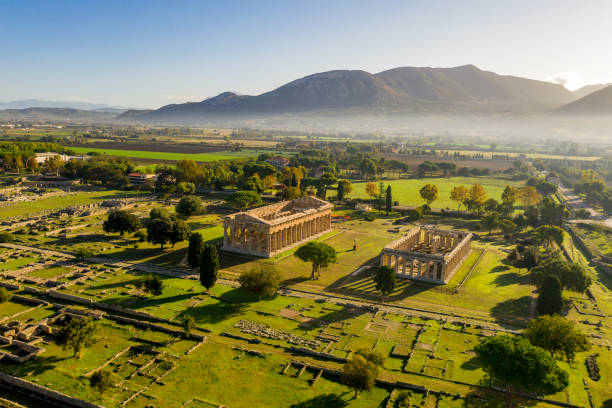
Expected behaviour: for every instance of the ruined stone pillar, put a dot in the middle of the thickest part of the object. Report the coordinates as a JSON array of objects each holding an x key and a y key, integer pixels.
[
  {"x": 225, "y": 240},
  {"x": 396, "y": 264},
  {"x": 404, "y": 265}
]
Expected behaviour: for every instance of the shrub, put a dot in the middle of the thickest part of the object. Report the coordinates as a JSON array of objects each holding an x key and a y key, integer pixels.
[
  {"x": 101, "y": 379},
  {"x": 369, "y": 217},
  {"x": 141, "y": 236},
  {"x": 5, "y": 295},
  {"x": 6, "y": 237}
]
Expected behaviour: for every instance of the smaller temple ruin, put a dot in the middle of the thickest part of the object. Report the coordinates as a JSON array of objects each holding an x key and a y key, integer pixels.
[
  {"x": 429, "y": 255},
  {"x": 270, "y": 230}
]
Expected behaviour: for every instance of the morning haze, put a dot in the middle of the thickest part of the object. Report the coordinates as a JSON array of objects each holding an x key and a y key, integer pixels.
[{"x": 305, "y": 204}]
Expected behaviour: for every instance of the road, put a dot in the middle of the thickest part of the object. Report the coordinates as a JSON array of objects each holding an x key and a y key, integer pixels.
[{"x": 574, "y": 201}]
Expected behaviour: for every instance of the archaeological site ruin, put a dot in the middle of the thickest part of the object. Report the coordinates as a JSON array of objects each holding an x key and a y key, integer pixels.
[
  {"x": 269, "y": 230},
  {"x": 429, "y": 255}
]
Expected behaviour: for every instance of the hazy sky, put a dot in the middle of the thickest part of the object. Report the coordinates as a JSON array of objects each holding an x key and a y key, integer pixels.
[{"x": 150, "y": 53}]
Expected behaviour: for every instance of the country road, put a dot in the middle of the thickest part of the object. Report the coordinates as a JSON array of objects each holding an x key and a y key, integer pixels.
[{"x": 574, "y": 201}]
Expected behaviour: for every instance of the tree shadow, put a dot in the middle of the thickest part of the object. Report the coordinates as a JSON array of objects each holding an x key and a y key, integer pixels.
[
  {"x": 607, "y": 403},
  {"x": 213, "y": 313},
  {"x": 471, "y": 364},
  {"x": 500, "y": 268},
  {"x": 232, "y": 259},
  {"x": 294, "y": 281},
  {"x": 121, "y": 284},
  {"x": 153, "y": 302},
  {"x": 324, "y": 401},
  {"x": 37, "y": 365},
  {"x": 511, "y": 278},
  {"x": 512, "y": 313}
]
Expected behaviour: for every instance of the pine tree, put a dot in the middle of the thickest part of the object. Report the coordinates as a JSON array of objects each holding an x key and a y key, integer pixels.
[{"x": 381, "y": 191}]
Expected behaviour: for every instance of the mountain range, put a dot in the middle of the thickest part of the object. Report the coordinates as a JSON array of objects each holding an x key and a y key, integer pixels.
[
  {"x": 37, "y": 103},
  {"x": 399, "y": 90},
  {"x": 595, "y": 103}
]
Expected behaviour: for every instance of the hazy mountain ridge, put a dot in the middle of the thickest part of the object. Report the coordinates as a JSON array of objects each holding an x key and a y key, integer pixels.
[
  {"x": 596, "y": 103},
  {"x": 411, "y": 89}
]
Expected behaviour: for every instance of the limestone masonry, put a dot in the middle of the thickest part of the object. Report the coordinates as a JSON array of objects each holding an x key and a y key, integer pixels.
[
  {"x": 430, "y": 255},
  {"x": 270, "y": 230}
]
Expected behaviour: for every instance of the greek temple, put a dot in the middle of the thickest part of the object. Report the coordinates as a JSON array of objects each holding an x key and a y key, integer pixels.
[
  {"x": 269, "y": 230},
  {"x": 429, "y": 255}
]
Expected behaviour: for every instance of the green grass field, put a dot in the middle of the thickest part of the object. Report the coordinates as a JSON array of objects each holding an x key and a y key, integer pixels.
[
  {"x": 199, "y": 157},
  {"x": 407, "y": 191},
  {"x": 57, "y": 202}
]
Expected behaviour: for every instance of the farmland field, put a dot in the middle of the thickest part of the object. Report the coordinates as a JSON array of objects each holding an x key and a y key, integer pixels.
[
  {"x": 200, "y": 157},
  {"x": 407, "y": 191}
]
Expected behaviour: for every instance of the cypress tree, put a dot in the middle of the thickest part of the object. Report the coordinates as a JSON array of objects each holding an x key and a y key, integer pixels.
[
  {"x": 340, "y": 191},
  {"x": 209, "y": 266},
  {"x": 389, "y": 202},
  {"x": 294, "y": 182},
  {"x": 196, "y": 246}
]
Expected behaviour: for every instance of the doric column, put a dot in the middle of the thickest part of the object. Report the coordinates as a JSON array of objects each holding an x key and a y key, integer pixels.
[
  {"x": 405, "y": 259},
  {"x": 396, "y": 264},
  {"x": 411, "y": 267},
  {"x": 225, "y": 235}
]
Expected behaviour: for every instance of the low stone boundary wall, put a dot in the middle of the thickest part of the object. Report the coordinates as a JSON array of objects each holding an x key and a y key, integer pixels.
[
  {"x": 10, "y": 286},
  {"x": 327, "y": 356},
  {"x": 45, "y": 393},
  {"x": 24, "y": 299},
  {"x": 155, "y": 327}
]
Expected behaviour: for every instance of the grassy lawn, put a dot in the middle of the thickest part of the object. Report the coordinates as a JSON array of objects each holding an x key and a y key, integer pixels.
[
  {"x": 200, "y": 157},
  {"x": 406, "y": 192},
  {"x": 49, "y": 272},
  {"x": 57, "y": 202}
]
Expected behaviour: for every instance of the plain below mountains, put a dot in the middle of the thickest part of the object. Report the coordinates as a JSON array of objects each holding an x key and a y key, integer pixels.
[{"x": 400, "y": 90}]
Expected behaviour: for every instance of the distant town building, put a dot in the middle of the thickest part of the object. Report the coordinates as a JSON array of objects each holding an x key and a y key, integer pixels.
[
  {"x": 139, "y": 178},
  {"x": 363, "y": 207},
  {"x": 553, "y": 178},
  {"x": 278, "y": 162},
  {"x": 42, "y": 157}
]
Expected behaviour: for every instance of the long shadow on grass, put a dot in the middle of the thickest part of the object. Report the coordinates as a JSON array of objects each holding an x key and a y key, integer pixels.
[
  {"x": 214, "y": 313},
  {"x": 512, "y": 311},
  {"x": 39, "y": 364},
  {"x": 115, "y": 285},
  {"x": 511, "y": 278},
  {"x": 323, "y": 401}
]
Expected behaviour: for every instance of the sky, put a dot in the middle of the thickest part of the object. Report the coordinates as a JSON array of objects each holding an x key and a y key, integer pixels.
[{"x": 146, "y": 54}]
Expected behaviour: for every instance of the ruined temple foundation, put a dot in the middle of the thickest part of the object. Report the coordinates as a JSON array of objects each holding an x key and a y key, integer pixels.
[
  {"x": 429, "y": 255},
  {"x": 270, "y": 230}
]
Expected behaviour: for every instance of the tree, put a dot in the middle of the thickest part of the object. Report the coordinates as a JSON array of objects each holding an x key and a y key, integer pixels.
[
  {"x": 368, "y": 168},
  {"x": 83, "y": 253},
  {"x": 344, "y": 189},
  {"x": 180, "y": 231},
  {"x": 477, "y": 197},
  {"x": 429, "y": 193},
  {"x": 490, "y": 221},
  {"x": 550, "y": 299},
  {"x": 325, "y": 181},
  {"x": 152, "y": 284},
  {"x": 515, "y": 362},
  {"x": 529, "y": 196},
  {"x": 102, "y": 380},
  {"x": 5, "y": 295},
  {"x": 6, "y": 237},
  {"x": 385, "y": 280},
  {"x": 159, "y": 230},
  {"x": 158, "y": 213},
  {"x": 571, "y": 275},
  {"x": 183, "y": 188},
  {"x": 209, "y": 266},
  {"x": 547, "y": 234},
  {"x": 319, "y": 254},
  {"x": 361, "y": 369},
  {"x": 459, "y": 194},
  {"x": 189, "y": 205},
  {"x": 372, "y": 189},
  {"x": 509, "y": 195},
  {"x": 388, "y": 200},
  {"x": 244, "y": 199},
  {"x": 557, "y": 334},
  {"x": 263, "y": 281},
  {"x": 121, "y": 221},
  {"x": 77, "y": 334},
  {"x": 196, "y": 246},
  {"x": 507, "y": 226},
  {"x": 189, "y": 324}
]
